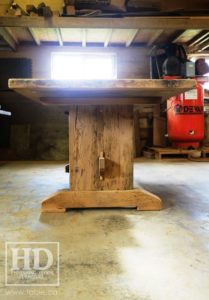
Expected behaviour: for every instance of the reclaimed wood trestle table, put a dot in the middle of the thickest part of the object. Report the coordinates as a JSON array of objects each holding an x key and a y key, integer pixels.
[{"x": 101, "y": 137}]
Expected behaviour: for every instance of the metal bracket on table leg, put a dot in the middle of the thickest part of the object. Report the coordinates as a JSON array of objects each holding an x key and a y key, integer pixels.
[{"x": 101, "y": 166}]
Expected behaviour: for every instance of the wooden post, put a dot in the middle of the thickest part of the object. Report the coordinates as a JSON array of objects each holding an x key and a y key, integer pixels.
[
  {"x": 108, "y": 130},
  {"x": 159, "y": 128},
  {"x": 96, "y": 129},
  {"x": 137, "y": 135}
]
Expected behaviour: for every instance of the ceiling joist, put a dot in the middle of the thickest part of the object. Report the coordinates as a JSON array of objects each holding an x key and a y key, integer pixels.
[
  {"x": 131, "y": 37},
  {"x": 59, "y": 36},
  {"x": 124, "y": 31},
  {"x": 175, "y": 36},
  {"x": 8, "y": 38},
  {"x": 108, "y": 38},
  {"x": 12, "y": 35},
  {"x": 154, "y": 37},
  {"x": 198, "y": 38},
  {"x": 199, "y": 42},
  {"x": 34, "y": 36},
  {"x": 203, "y": 41},
  {"x": 204, "y": 46},
  {"x": 84, "y": 38}
]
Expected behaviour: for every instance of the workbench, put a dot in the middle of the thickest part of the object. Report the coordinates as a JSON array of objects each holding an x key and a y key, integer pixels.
[{"x": 101, "y": 137}]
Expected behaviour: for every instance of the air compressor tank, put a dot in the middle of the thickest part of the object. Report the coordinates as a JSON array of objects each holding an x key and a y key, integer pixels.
[{"x": 185, "y": 118}]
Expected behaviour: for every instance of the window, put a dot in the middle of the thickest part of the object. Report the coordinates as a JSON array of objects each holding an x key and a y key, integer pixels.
[{"x": 72, "y": 65}]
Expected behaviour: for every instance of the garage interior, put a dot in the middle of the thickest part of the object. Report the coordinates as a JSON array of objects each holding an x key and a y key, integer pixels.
[{"x": 78, "y": 79}]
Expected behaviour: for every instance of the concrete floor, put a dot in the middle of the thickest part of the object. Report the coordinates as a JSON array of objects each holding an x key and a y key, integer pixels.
[{"x": 114, "y": 253}]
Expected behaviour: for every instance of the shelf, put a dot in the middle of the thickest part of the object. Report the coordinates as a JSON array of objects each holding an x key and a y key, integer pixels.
[{"x": 149, "y": 22}]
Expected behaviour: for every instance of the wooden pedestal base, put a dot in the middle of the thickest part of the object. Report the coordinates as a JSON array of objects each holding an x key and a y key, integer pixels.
[
  {"x": 96, "y": 130},
  {"x": 138, "y": 198}
]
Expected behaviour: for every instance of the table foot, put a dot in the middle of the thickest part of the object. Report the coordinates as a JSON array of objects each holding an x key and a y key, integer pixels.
[{"x": 136, "y": 198}]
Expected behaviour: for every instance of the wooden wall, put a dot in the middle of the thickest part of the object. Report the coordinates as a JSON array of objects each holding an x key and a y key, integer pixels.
[{"x": 131, "y": 62}]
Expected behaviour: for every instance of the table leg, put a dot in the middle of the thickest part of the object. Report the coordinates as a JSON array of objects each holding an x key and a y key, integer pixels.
[{"x": 108, "y": 130}]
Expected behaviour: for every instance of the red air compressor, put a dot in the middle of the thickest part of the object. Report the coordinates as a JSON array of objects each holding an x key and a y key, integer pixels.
[
  {"x": 185, "y": 112},
  {"x": 185, "y": 117}
]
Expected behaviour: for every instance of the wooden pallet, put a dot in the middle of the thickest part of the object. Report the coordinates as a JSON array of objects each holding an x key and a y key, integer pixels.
[{"x": 170, "y": 152}]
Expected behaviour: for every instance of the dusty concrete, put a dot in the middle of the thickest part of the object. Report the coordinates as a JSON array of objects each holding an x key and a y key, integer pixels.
[{"x": 114, "y": 254}]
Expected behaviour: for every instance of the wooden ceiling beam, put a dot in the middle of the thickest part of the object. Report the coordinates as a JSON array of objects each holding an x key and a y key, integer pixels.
[
  {"x": 178, "y": 35},
  {"x": 108, "y": 38},
  {"x": 59, "y": 36},
  {"x": 195, "y": 46},
  {"x": 131, "y": 37},
  {"x": 154, "y": 37},
  {"x": 12, "y": 35},
  {"x": 174, "y": 36},
  {"x": 198, "y": 38},
  {"x": 154, "y": 22},
  {"x": 34, "y": 36},
  {"x": 8, "y": 38},
  {"x": 199, "y": 55},
  {"x": 204, "y": 46},
  {"x": 84, "y": 38},
  {"x": 203, "y": 41}
]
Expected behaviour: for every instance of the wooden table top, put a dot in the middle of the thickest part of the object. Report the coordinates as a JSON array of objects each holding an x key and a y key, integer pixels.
[{"x": 98, "y": 92}]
